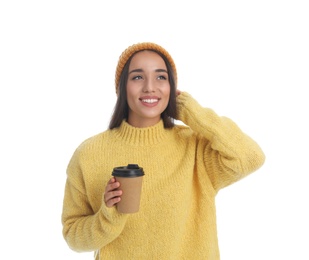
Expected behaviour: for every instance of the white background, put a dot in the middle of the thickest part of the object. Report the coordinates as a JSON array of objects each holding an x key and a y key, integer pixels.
[{"x": 247, "y": 60}]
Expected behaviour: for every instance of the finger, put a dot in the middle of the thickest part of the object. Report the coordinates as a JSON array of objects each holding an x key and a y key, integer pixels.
[
  {"x": 111, "y": 195},
  {"x": 112, "y": 186},
  {"x": 111, "y": 180},
  {"x": 112, "y": 202}
]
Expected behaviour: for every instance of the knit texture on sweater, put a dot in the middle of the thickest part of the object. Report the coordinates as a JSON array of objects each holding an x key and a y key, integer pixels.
[{"x": 184, "y": 166}]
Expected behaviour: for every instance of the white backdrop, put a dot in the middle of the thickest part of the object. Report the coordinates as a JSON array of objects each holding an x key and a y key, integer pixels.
[{"x": 247, "y": 60}]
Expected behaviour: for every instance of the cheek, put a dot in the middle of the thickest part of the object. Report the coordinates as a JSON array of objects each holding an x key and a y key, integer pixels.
[
  {"x": 131, "y": 91},
  {"x": 166, "y": 91},
  {"x": 165, "y": 88}
]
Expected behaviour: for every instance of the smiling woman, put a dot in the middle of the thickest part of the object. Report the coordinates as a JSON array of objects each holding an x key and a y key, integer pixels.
[
  {"x": 185, "y": 166},
  {"x": 148, "y": 89},
  {"x": 161, "y": 64}
]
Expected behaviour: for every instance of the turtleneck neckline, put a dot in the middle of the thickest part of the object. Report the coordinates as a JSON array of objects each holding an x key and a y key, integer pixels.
[{"x": 141, "y": 136}]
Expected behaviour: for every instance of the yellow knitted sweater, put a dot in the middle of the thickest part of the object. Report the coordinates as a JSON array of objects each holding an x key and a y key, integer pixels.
[{"x": 184, "y": 166}]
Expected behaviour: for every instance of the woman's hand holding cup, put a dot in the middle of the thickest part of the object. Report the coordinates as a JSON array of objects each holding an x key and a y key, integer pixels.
[{"x": 112, "y": 194}]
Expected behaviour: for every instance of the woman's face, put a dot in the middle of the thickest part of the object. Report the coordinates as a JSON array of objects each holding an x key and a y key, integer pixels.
[{"x": 148, "y": 89}]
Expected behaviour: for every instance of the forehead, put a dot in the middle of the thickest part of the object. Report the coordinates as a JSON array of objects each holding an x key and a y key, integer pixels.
[{"x": 147, "y": 58}]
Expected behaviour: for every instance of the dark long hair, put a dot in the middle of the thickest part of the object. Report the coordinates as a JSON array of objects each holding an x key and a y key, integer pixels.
[{"x": 121, "y": 110}]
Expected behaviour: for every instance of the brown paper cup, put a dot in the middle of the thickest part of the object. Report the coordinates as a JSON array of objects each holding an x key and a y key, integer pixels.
[
  {"x": 130, "y": 178},
  {"x": 131, "y": 194}
]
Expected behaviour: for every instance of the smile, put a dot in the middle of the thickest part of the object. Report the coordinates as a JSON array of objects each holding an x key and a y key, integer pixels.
[{"x": 150, "y": 100}]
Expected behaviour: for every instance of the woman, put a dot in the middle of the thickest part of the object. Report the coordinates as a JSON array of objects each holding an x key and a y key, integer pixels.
[{"x": 185, "y": 166}]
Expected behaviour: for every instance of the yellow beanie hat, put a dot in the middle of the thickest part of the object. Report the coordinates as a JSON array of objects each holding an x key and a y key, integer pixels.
[{"x": 127, "y": 53}]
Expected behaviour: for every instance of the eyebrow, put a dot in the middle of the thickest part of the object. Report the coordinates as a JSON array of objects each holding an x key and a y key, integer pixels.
[{"x": 140, "y": 70}]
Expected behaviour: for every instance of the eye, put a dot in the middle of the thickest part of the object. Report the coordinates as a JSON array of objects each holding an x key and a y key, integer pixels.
[
  {"x": 162, "y": 77},
  {"x": 137, "y": 77}
]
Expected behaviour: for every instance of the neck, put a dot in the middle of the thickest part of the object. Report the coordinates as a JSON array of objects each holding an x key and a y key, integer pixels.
[
  {"x": 135, "y": 122},
  {"x": 141, "y": 135}
]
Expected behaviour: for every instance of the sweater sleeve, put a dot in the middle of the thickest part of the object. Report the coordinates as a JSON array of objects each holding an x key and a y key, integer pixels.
[
  {"x": 84, "y": 229},
  {"x": 228, "y": 153}
]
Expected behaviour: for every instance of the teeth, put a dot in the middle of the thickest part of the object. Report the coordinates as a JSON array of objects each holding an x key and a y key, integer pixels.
[{"x": 150, "y": 100}]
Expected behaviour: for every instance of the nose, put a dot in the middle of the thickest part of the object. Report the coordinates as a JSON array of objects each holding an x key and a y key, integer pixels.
[{"x": 149, "y": 86}]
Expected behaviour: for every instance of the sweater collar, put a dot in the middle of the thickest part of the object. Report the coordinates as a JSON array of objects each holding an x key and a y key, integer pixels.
[{"x": 142, "y": 136}]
